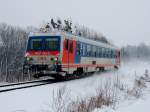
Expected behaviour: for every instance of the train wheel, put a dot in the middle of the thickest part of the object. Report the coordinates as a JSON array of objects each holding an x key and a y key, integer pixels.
[
  {"x": 79, "y": 72},
  {"x": 36, "y": 76},
  {"x": 59, "y": 77},
  {"x": 76, "y": 74},
  {"x": 101, "y": 69},
  {"x": 116, "y": 67}
]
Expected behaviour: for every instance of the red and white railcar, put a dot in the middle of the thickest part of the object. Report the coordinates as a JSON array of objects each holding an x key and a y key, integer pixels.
[{"x": 63, "y": 54}]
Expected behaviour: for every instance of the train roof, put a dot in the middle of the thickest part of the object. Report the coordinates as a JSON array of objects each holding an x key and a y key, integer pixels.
[{"x": 78, "y": 38}]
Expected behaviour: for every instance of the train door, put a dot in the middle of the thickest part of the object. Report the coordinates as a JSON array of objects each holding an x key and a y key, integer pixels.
[
  {"x": 78, "y": 53},
  {"x": 68, "y": 52}
]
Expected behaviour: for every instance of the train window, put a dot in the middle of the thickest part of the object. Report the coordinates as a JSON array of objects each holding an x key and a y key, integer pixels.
[
  {"x": 100, "y": 52},
  {"x": 94, "y": 51},
  {"x": 103, "y": 52},
  {"x": 81, "y": 49},
  {"x": 84, "y": 49},
  {"x": 97, "y": 52},
  {"x": 88, "y": 50},
  {"x": 51, "y": 44},
  {"x": 91, "y": 50},
  {"x": 71, "y": 47},
  {"x": 78, "y": 48},
  {"x": 67, "y": 44},
  {"x": 36, "y": 44},
  {"x": 109, "y": 53}
]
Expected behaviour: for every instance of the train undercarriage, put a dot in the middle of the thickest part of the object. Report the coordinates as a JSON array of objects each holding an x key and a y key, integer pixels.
[{"x": 56, "y": 71}]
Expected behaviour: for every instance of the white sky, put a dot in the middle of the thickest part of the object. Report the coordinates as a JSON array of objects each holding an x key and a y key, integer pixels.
[{"x": 121, "y": 21}]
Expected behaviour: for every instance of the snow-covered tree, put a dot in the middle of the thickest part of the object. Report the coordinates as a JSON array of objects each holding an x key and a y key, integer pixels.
[{"x": 68, "y": 26}]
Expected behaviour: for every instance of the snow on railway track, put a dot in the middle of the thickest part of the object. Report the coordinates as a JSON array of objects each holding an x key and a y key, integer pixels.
[
  {"x": 28, "y": 84},
  {"x": 22, "y": 85}
]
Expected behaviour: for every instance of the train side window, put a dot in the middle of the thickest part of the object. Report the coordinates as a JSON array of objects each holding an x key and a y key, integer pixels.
[
  {"x": 103, "y": 51},
  {"x": 109, "y": 53},
  {"x": 78, "y": 48},
  {"x": 97, "y": 52},
  {"x": 71, "y": 47},
  {"x": 100, "y": 52},
  {"x": 81, "y": 48},
  {"x": 114, "y": 54},
  {"x": 94, "y": 51},
  {"x": 84, "y": 49},
  {"x": 106, "y": 53},
  {"x": 67, "y": 44},
  {"x": 91, "y": 50},
  {"x": 88, "y": 50}
]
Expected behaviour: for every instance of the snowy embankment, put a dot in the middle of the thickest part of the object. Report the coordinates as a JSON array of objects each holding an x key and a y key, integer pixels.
[
  {"x": 40, "y": 99},
  {"x": 135, "y": 99}
]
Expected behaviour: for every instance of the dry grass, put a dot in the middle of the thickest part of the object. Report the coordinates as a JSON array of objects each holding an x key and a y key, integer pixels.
[
  {"x": 107, "y": 94},
  {"x": 60, "y": 98},
  {"x": 137, "y": 89}
]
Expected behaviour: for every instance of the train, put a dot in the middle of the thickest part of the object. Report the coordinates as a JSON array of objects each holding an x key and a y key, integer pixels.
[{"x": 64, "y": 55}]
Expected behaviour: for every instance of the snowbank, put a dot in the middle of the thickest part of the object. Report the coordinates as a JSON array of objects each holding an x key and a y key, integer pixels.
[{"x": 39, "y": 99}]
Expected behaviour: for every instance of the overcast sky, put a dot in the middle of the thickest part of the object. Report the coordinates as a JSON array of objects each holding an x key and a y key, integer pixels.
[{"x": 121, "y": 21}]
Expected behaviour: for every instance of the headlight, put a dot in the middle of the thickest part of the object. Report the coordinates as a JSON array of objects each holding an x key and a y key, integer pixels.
[
  {"x": 55, "y": 59},
  {"x": 29, "y": 59}
]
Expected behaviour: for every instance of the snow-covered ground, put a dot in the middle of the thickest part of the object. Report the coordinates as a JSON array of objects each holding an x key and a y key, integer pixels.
[{"x": 39, "y": 99}]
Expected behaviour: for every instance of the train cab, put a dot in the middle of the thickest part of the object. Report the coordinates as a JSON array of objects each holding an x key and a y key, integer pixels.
[{"x": 43, "y": 53}]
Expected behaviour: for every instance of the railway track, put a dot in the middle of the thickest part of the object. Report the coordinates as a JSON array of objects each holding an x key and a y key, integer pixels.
[
  {"x": 29, "y": 84},
  {"x": 23, "y": 85}
]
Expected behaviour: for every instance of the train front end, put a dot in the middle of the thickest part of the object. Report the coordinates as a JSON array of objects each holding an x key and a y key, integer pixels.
[{"x": 43, "y": 54}]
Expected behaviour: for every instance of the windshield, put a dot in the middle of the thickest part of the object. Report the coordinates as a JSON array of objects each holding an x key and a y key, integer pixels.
[
  {"x": 51, "y": 44},
  {"x": 47, "y": 43},
  {"x": 36, "y": 44}
]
